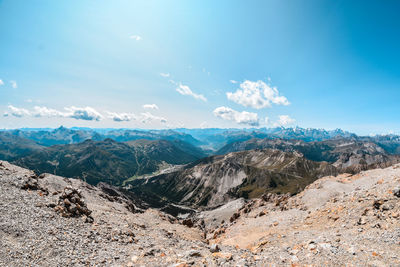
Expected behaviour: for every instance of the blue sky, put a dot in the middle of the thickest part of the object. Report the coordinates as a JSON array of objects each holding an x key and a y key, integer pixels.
[{"x": 312, "y": 63}]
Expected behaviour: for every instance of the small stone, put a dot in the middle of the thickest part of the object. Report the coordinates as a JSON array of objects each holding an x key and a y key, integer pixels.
[
  {"x": 387, "y": 206},
  {"x": 188, "y": 222},
  {"x": 223, "y": 255},
  {"x": 352, "y": 250},
  {"x": 396, "y": 192},
  {"x": 312, "y": 246},
  {"x": 214, "y": 248},
  {"x": 378, "y": 203},
  {"x": 194, "y": 253},
  {"x": 67, "y": 202},
  {"x": 361, "y": 221},
  {"x": 234, "y": 217},
  {"x": 89, "y": 219}
]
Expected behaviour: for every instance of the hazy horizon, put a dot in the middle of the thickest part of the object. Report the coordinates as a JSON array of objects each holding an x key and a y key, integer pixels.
[{"x": 190, "y": 129}]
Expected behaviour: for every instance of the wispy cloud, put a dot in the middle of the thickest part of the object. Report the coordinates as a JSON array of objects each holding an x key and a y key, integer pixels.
[
  {"x": 16, "y": 112},
  {"x": 14, "y": 84},
  {"x": 203, "y": 125},
  {"x": 233, "y": 81},
  {"x": 150, "y": 106},
  {"x": 284, "y": 120},
  {"x": 1, "y": 82},
  {"x": 136, "y": 37},
  {"x": 257, "y": 95},
  {"x": 165, "y": 75},
  {"x": 243, "y": 117},
  {"x": 185, "y": 90},
  {"x": 47, "y": 112},
  {"x": 148, "y": 117},
  {"x": 85, "y": 113},
  {"x": 173, "y": 82},
  {"x": 121, "y": 116}
]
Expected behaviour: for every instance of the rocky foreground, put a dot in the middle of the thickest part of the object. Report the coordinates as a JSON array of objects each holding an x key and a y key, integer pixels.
[{"x": 48, "y": 220}]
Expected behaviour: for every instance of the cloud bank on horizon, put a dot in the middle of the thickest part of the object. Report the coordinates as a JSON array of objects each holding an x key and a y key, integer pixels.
[
  {"x": 251, "y": 94},
  {"x": 82, "y": 113}
]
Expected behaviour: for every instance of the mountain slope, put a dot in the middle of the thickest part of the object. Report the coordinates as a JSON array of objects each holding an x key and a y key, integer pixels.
[
  {"x": 105, "y": 161},
  {"x": 215, "y": 180},
  {"x": 176, "y": 151},
  {"x": 59, "y": 136},
  {"x": 12, "y": 147},
  {"x": 346, "y": 154}
]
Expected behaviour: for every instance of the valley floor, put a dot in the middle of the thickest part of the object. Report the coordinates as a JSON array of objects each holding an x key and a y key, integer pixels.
[{"x": 344, "y": 220}]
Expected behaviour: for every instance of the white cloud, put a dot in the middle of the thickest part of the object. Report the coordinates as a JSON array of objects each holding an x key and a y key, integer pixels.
[
  {"x": 16, "y": 112},
  {"x": 1, "y": 82},
  {"x": 203, "y": 125},
  {"x": 173, "y": 82},
  {"x": 121, "y": 116},
  {"x": 136, "y": 37},
  {"x": 284, "y": 120},
  {"x": 266, "y": 120},
  {"x": 86, "y": 113},
  {"x": 243, "y": 117},
  {"x": 78, "y": 113},
  {"x": 233, "y": 81},
  {"x": 257, "y": 95},
  {"x": 14, "y": 84},
  {"x": 148, "y": 117},
  {"x": 165, "y": 75},
  {"x": 47, "y": 112},
  {"x": 150, "y": 106},
  {"x": 185, "y": 90}
]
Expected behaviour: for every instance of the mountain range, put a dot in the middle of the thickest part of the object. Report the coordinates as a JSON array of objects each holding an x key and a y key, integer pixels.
[
  {"x": 216, "y": 180},
  {"x": 198, "y": 167},
  {"x": 108, "y": 160}
]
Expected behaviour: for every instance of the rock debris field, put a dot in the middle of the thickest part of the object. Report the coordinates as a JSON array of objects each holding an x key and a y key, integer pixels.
[{"x": 348, "y": 220}]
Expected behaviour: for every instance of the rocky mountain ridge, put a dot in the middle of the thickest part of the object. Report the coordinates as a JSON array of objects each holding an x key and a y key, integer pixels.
[{"x": 346, "y": 154}]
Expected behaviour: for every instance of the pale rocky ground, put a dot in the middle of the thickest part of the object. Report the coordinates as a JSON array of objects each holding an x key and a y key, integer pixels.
[{"x": 336, "y": 221}]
